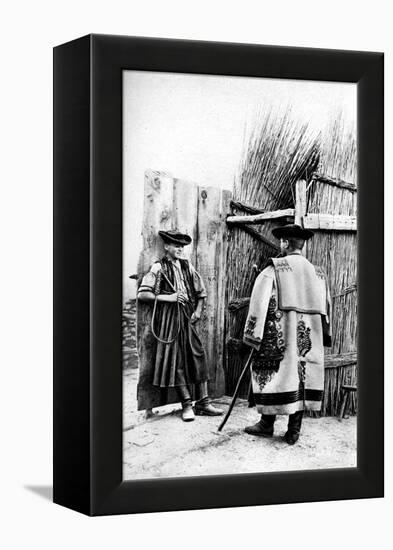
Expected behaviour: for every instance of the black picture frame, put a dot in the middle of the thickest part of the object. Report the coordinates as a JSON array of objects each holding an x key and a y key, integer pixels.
[{"x": 88, "y": 274}]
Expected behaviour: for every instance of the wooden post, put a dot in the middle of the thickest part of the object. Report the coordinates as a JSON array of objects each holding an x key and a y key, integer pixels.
[
  {"x": 209, "y": 236},
  {"x": 301, "y": 201},
  {"x": 330, "y": 222},
  {"x": 157, "y": 214},
  {"x": 301, "y": 206},
  {"x": 185, "y": 212},
  {"x": 221, "y": 262}
]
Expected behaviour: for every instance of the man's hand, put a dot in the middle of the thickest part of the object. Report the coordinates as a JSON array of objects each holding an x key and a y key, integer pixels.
[
  {"x": 175, "y": 297},
  {"x": 181, "y": 297},
  {"x": 195, "y": 317}
]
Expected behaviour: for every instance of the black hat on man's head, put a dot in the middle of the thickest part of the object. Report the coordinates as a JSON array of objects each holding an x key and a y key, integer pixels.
[
  {"x": 175, "y": 237},
  {"x": 292, "y": 230}
]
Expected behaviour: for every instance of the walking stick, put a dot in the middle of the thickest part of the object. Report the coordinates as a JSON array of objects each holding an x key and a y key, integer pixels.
[
  {"x": 255, "y": 269},
  {"x": 234, "y": 397}
]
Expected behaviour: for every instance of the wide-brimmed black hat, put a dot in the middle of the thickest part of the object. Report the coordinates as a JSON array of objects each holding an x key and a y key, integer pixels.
[
  {"x": 292, "y": 230},
  {"x": 175, "y": 237}
]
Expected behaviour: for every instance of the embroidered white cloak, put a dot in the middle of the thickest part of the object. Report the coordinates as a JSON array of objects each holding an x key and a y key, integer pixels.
[{"x": 287, "y": 369}]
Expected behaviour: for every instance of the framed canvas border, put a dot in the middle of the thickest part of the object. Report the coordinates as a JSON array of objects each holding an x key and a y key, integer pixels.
[{"x": 88, "y": 243}]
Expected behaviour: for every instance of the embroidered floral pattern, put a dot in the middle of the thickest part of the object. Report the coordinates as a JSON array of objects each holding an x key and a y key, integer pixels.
[
  {"x": 303, "y": 338},
  {"x": 263, "y": 376},
  {"x": 319, "y": 272},
  {"x": 303, "y": 347},
  {"x": 250, "y": 325},
  {"x": 266, "y": 360},
  {"x": 282, "y": 265}
]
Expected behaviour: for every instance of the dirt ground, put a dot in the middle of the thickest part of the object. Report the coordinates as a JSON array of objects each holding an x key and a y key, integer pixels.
[{"x": 165, "y": 446}]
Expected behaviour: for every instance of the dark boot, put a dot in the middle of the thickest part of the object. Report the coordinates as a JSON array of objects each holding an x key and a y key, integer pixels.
[
  {"x": 263, "y": 428},
  {"x": 294, "y": 425},
  {"x": 205, "y": 408}
]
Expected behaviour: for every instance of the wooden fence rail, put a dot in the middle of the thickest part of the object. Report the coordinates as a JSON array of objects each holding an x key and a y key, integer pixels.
[
  {"x": 335, "y": 182},
  {"x": 261, "y": 218}
]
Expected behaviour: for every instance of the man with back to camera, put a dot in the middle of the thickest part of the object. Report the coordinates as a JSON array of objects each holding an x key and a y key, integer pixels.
[{"x": 288, "y": 325}]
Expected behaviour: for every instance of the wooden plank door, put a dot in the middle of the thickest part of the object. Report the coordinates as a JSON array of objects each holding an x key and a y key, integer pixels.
[
  {"x": 171, "y": 203},
  {"x": 211, "y": 264}
]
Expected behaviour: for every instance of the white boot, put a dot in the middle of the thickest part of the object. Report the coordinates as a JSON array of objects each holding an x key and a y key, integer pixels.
[{"x": 188, "y": 413}]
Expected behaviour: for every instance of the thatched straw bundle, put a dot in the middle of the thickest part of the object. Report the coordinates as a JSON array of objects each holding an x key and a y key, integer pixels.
[
  {"x": 336, "y": 252},
  {"x": 278, "y": 152}
]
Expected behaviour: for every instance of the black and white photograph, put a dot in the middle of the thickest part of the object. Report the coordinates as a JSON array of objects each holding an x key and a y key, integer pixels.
[
  {"x": 239, "y": 319},
  {"x": 196, "y": 302}
]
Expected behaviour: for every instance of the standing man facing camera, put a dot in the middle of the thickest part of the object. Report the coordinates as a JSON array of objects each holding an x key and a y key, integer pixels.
[
  {"x": 177, "y": 291},
  {"x": 288, "y": 325}
]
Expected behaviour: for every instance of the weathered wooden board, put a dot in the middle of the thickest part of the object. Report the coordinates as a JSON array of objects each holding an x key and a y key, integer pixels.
[
  {"x": 256, "y": 235},
  {"x": 260, "y": 218},
  {"x": 221, "y": 259},
  {"x": 300, "y": 201},
  {"x": 209, "y": 246},
  {"x": 330, "y": 222},
  {"x": 340, "y": 360},
  {"x": 335, "y": 182},
  {"x": 300, "y": 204},
  {"x": 158, "y": 214},
  {"x": 185, "y": 206}
]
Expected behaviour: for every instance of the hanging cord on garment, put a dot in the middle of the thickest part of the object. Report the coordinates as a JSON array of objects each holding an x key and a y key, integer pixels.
[{"x": 160, "y": 274}]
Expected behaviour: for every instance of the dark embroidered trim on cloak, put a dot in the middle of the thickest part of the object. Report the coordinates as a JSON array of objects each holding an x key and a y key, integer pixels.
[
  {"x": 285, "y": 398},
  {"x": 303, "y": 347},
  {"x": 301, "y": 369},
  {"x": 303, "y": 338},
  {"x": 282, "y": 265},
  {"x": 266, "y": 361},
  {"x": 250, "y": 325},
  {"x": 263, "y": 376},
  {"x": 252, "y": 339}
]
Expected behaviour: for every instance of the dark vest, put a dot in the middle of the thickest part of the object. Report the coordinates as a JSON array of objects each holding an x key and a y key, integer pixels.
[{"x": 167, "y": 268}]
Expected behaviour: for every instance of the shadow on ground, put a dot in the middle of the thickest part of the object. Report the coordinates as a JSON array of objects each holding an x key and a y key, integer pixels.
[{"x": 44, "y": 491}]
